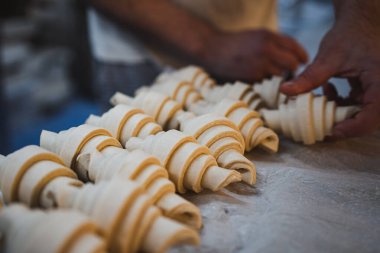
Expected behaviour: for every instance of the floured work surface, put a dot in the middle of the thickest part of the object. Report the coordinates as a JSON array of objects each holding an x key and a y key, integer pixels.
[{"x": 322, "y": 198}]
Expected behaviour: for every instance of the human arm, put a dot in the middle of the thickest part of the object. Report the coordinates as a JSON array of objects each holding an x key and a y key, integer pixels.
[{"x": 249, "y": 55}]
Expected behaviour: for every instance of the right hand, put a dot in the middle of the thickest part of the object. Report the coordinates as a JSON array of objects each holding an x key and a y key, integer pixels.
[
  {"x": 349, "y": 50},
  {"x": 252, "y": 55}
]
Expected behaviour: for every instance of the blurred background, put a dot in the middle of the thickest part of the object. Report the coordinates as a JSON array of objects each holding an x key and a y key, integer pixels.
[{"x": 50, "y": 79}]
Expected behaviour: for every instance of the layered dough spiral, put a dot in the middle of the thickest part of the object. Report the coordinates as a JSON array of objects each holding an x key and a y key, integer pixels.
[
  {"x": 307, "y": 118},
  {"x": 194, "y": 157},
  {"x": 248, "y": 122},
  {"x": 27, "y": 230},
  {"x": 126, "y": 218},
  {"x": 217, "y": 133},
  {"x": 96, "y": 156},
  {"x": 166, "y": 112},
  {"x": 190, "y": 165},
  {"x": 194, "y": 75},
  {"x": 264, "y": 94},
  {"x": 269, "y": 92},
  {"x": 237, "y": 91}
]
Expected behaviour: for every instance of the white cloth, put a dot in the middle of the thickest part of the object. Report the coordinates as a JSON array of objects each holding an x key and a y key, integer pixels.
[{"x": 109, "y": 43}]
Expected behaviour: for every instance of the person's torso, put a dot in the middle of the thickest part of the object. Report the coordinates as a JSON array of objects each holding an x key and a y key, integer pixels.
[{"x": 234, "y": 15}]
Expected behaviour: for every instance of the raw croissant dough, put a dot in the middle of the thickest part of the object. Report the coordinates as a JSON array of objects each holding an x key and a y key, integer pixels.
[
  {"x": 30, "y": 231},
  {"x": 98, "y": 157},
  {"x": 26, "y": 172},
  {"x": 196, "y": 159},
  {"x": 125, "y": 215},
  {"x": 217, "y": 133},
  {"x": 181, "y": 91},
  {"x": 196, "y": 76},
  {"x": 307, "y": 118},
  {"x": 237, "y": 91},
  {"x": 190, "y": 165},
  {"x": 303, "y": 119},
  {"x": 269, "y": 91},
  {"x": 263, "y": 94},
  {"x": 248, "y": 121}
]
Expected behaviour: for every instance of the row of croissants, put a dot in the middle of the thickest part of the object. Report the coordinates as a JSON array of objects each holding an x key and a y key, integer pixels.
[{"x": 113, "y": 184}]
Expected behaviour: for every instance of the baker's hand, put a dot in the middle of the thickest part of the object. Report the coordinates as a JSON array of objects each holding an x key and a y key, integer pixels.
[
  {"x": 252, "y": 55},
  {"x": 350, "y": 50}
]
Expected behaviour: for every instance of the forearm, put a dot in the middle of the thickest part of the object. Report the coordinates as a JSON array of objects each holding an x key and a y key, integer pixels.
[{"x": 169, "y": 25}]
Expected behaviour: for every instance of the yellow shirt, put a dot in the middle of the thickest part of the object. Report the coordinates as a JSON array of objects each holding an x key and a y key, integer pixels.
[
  {"x": 227, "y": 15},
  {"x": 234, "y": 15}
]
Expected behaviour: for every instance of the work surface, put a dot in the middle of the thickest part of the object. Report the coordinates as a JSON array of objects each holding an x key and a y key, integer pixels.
[{"x": 322, "y": 198}]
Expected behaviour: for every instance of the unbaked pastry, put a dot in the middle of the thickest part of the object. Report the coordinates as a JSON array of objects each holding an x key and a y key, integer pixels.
[
  {"x": 97, "y": 157},
  {"x": 260, "y": 95},
  {"x": 54, "y": 231},
  {"x": 196, "y": 76},
  {"x": 248, "y": 122},
  {"x": 217, "y": 133},
  {"x": 204, "y": 160},
  {"x": 190, "y": 165},
  {"x": 124, "y": 214},
  {"x": 221, "y": 100},
  {"x": 269, "y": 91},
  {"x": 307, "y": 118}
]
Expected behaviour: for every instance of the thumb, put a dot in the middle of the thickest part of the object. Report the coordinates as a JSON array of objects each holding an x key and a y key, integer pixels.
[{"x": 316, "y": 74}]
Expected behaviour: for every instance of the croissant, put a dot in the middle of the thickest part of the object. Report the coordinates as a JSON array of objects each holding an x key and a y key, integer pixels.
[
  {"x": 125, "y": 215},
  {"x": 181, "y": 91},
  {"x": 128, "y": 220},
  {"x": 51, "y": 231},
  {"x": 260, "y": 95},
  {"x": 236, "y": 91},
  {"x": 217, "y": 133},
  {"x": 196, "y": 76},
  {"x": 249, "y": 122},
  {"x": 204, "y": 160},
  {"x": 307, "y": 118},
  {"x": 269, "y": 91},
  {"x": 98, "y": 157},
  {"x": 190, "y": 165},
  {"x": 26, "y": 172}
]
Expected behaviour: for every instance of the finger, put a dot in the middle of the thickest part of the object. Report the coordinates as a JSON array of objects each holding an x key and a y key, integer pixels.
[
  {"x": 368, "y": 119},
  {"x": 285, "y": 59},
  {"x": 365, "y": 122},
  {"x": 329, "y": 91},
  {"x": 293, "y": 46},
  {"x": 313, "y": 76}
]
